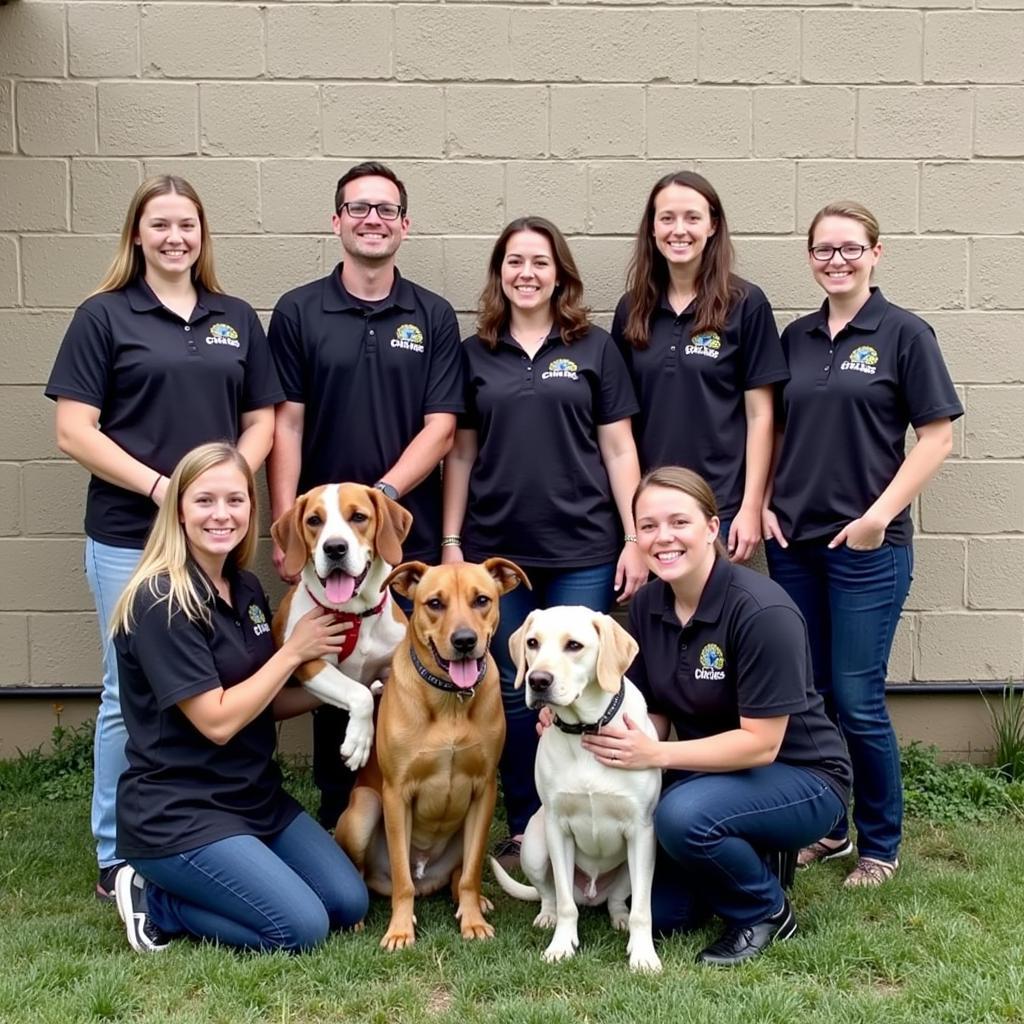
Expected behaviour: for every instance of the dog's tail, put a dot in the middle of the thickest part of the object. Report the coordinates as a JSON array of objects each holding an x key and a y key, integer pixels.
[{"x": 511, "y": 886}]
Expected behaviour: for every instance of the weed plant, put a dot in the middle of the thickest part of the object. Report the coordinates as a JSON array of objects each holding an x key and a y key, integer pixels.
[{"x": 1007, "y": 718}]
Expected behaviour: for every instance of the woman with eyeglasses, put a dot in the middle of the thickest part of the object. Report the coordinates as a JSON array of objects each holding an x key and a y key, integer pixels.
[
  {"x": 837, "y": 516},
  {"x": 703, "y": 352}
]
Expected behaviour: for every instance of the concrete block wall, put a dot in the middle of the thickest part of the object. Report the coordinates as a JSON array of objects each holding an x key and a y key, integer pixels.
[{"x": 493, "y": 108}]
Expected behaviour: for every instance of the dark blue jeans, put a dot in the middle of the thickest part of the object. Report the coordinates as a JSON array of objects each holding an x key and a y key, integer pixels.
[
  {"x": 715, "y": 833},
  {"x": 591, "y": 587},
  {"x": 852, "y": 602},
  {"x": 285, "y": 892}
]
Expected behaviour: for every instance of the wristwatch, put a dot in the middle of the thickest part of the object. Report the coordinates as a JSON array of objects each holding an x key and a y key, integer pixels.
[{"x": 386, "y": 489}]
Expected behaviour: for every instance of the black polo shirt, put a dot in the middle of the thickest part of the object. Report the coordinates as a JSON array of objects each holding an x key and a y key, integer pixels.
[
  {"x": 367, "y": 374},
  {"x": 845, "y": 412},
  {"x": 744, "y": 653},
  {"x": 538, "y": 491},
  {"x": 163, "y": 385},
  {"x": 181, "y": 790},
  {"x": 691, "y": 388}
]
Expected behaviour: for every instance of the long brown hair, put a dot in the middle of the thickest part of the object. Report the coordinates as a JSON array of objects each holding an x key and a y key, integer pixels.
[
  {"x": 129, "y": 262},
  {"x": 677, "y": 478},
  {"x": 570, "y": 316},
  {"x": 648, "y": 278}
]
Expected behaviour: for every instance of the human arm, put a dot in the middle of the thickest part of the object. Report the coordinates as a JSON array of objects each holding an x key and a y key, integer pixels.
[
  {"x": 257, "y": 435},
  {"x": 283, "y": 467},
  {"x": 745, "y": 532},
  {"x": 458, "y": 465},
  {"x": 423, "y": 453},
  {"x": 292, "y": 701},
  {"x": 618, "y": 453},
  {"x": 769, "y": 520}
]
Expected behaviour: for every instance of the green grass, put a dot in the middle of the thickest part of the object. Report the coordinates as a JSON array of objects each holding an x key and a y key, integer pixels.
[{"x": 944, "y": 942}]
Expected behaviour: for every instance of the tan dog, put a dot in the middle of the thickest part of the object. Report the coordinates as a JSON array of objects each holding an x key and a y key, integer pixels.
[
  {"x": 419, "y": 816},
  {"x": 593, "y": 839},
  {"x": 342, "y": 540}
]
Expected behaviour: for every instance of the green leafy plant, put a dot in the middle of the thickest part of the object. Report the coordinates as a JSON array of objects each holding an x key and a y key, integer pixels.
[
  {"x": 1007, "y": 718},
  {"x": 61, "y": 773}
]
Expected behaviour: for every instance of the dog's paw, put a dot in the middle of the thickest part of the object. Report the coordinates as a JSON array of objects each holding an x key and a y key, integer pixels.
[
  {"x": 355, "y": 751},
  {"x": 561, "y": 948},
  {"x": 619, "y": 917},
  {"x": 377, "y": 687},
  {"x": 400, "y": 935},
  {"x": 546, "y": 918},
  {"x": 642, "y": 957},
  {"x": 477, "y": 928}
]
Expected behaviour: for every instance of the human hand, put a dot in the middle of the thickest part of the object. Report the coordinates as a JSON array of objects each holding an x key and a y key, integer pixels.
[
  {"x": 451, "y": 553},
  {"x": 316, "y": 634},
  {"x": 770, "y": 528},
  {"x": 631, "y": 571},
  {"x": 278, "y": 557},
  {"x": 545, "y": 719},
  {"x": 864, "y": 534},
  {"x": 744, "y": 534},
  {"x": 628, "y": 747}
]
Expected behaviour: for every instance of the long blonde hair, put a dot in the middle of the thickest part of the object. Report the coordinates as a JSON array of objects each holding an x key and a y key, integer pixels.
[
  {"x": 164, "y": 564},
  {"x": 129, "y": 262}
]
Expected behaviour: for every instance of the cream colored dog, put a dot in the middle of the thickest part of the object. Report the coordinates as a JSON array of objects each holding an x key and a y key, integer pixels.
[{"x": 593, "y": 838}]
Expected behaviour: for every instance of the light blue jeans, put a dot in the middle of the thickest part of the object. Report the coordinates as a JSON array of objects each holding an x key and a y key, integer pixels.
[{"x": 108, "y": 570}]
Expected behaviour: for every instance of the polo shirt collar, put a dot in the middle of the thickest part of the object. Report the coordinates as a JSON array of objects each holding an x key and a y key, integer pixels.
[
  {"x": 868, "y": 318},
  {"x": 665, "y": 306},
  {"x": 239, "y": 591},
  {"x": 143, "y": 299},
  {"x": 337, "y": 298},
  {"x": 554, "y": 337},
  {"x": 712, "y": 598}
]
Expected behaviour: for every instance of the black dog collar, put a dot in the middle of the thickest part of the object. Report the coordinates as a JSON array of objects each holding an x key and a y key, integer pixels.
[
  {"x": 579, "y": 728},
  {"x": 447, "y": 685}
]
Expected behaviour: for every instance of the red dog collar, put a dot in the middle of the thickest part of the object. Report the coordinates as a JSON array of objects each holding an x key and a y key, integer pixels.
[{"x": 351, "y": 638}]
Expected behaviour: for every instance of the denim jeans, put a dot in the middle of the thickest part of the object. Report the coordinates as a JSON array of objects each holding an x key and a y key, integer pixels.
[
  {"x": 715, "y": 833},
  {"x": 286, "y": 892},
  {"x": 852, "y": 602},
  {"x": 591, "y": 587},
  {"x": 108, "y": 570}
]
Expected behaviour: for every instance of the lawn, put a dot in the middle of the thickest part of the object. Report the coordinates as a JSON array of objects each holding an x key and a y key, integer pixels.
[{"x": 944, "y": 942}]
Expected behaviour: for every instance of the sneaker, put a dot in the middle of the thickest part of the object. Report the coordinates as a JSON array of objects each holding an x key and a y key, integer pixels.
[
  {"x": 819, "y": 852},
  {"x": 130, "y": 892},
  {"x": 744, "y": 942},
  {"x": 871, "y": 872},
  {"x": 105, "y": 883},
  {"x": 506, "y": 852}
]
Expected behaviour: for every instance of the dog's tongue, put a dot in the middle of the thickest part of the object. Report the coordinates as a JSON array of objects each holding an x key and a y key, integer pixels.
[
  {"x": 464, "y": 673},
  {"x": 339, "y": 586}
]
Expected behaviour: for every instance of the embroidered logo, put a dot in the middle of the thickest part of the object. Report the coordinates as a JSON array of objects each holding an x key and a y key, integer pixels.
[
  {"x": 223, "y": 334},
  {"x": 863, "y": 359},
  {"x": 408, "y": 336},
  {"x": 707, "y": 343},
  {"x": 258, "y": 620},
  {"x": 712, "y": 663},
  {"x": 562, "y": 367}
]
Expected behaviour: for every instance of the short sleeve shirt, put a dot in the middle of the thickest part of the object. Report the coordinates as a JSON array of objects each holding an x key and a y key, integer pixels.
[
  {"x": 744, "y": 653},
  {"x": 845, "y": 412},
  {"x": 163, "y": 385},
  {"x": 367, "y": 374},
  {"x": 538, "y": 491},
  {"x": 691, "y": 384},
  {"x": 181, "y": 790}
]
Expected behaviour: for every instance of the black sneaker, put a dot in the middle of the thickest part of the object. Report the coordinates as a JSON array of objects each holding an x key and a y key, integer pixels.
[
  {"x": 744, "y": 942},
  {"x": 105, "y": 883},
  {"x": 130, "y": 892}
]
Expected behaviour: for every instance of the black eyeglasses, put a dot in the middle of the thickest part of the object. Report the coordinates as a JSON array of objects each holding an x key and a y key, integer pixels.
[
  {"x": 386, "y": 211},
  {"x": 848, "y": 250}
]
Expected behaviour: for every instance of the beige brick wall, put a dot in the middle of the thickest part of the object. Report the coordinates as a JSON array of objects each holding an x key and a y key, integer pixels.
[{"x": 494, "y": 108}]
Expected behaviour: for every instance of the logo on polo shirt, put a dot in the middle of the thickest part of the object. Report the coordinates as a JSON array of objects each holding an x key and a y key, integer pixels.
[
  {"x": 561, "y": 368},
  {"x": 223, "y": 334},
  {"x": 712, "y": 663},
  {"x": 258, "y": 620},
  {"x": 863, "y": 359},
  {"x": 408, "y": 336},
  {"x": 707, "y": 343}
]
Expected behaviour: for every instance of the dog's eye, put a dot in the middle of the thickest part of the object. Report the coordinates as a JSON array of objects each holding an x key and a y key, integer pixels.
[
  {"x": 435, "y": 604},
  {"x": 532, "y": 643},
  {"x": 359, "y": 517},
  {"x": 573, "y": 645},
  {"x": 314, "y": 520},
  {"x": 481, "y": 601}
]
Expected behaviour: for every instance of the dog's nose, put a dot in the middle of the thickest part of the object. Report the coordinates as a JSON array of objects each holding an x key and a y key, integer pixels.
[
  {"x": 464, "y": 641},
  {"x": 336, "y": 549},
  {"x": 540, "y": 681}
]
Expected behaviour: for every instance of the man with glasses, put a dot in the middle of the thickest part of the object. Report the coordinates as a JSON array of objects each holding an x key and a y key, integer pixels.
[{"x": 371, "y": 367}]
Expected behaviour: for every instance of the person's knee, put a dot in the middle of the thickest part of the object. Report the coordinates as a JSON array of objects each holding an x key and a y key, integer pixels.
[
  {"x": 347, "y": 905},
  {"x": 303, "y": 926},
  {"x": 681, "y": 826}
]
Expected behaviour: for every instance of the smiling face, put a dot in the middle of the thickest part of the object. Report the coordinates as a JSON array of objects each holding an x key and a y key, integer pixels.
[
  {"x": 837, "y": 276},
  {"x": 674, "y": 535},
  {"x": 682, "y": 225},
  {"x": 529, "y": 273},
  {"x": 370, "y": 239},
  {"x": 169, "y": 235},
  {"x": 214, "y": 512}
]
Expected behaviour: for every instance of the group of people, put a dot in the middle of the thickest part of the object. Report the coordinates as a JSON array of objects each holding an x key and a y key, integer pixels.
[{"x": 671, "y": 446}]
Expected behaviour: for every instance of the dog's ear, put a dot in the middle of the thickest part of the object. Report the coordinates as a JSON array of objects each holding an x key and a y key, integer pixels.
[
  {"x": 288, "y": 536},
  {"x": 393, "y": 525},
  {"x": 405, "y": 578},
  {"x": 517, "y": 648},
  {"x": 615, "y": 654},
  {"x": 507, "y": 574}
]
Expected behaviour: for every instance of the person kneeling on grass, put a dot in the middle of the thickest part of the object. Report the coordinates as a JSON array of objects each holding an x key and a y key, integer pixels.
[{"x": 214, "y": 846}]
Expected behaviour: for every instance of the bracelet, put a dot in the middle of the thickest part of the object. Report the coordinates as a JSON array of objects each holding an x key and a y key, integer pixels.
[
  {"x": 629, "y": 538},
  {"x": 451, "y": 541},
  {"x": 152, "y": 489}
]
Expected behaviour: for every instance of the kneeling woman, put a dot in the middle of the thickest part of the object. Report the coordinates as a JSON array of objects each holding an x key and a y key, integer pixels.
[
  {"x": 215, "y": 848},
  {"x": 758, "y": 766}
]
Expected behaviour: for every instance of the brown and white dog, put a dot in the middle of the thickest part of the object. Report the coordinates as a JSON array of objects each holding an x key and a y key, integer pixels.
[
  {"x": 342, "y": 540},
  {"x": 420, "y": 813}
]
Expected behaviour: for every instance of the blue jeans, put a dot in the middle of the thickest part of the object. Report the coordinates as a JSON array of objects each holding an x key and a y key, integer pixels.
[
  {"x": 286, "y": 892},
  {"x": 852, "y": 602},
  {"x": 591, "y": 587},
  {"x": 108, "y": 570},
  {"x": 718, "y": 829}
]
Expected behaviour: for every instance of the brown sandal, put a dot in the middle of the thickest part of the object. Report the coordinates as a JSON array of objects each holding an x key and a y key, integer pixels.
[
  {"x": 819, "y": 852},
  {"x": 871, "y": 872}
]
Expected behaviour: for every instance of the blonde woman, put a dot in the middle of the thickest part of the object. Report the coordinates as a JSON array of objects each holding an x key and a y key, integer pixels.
[
  {"x": 215, "y": 848},
  {"x": 155, "y": 362}
]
